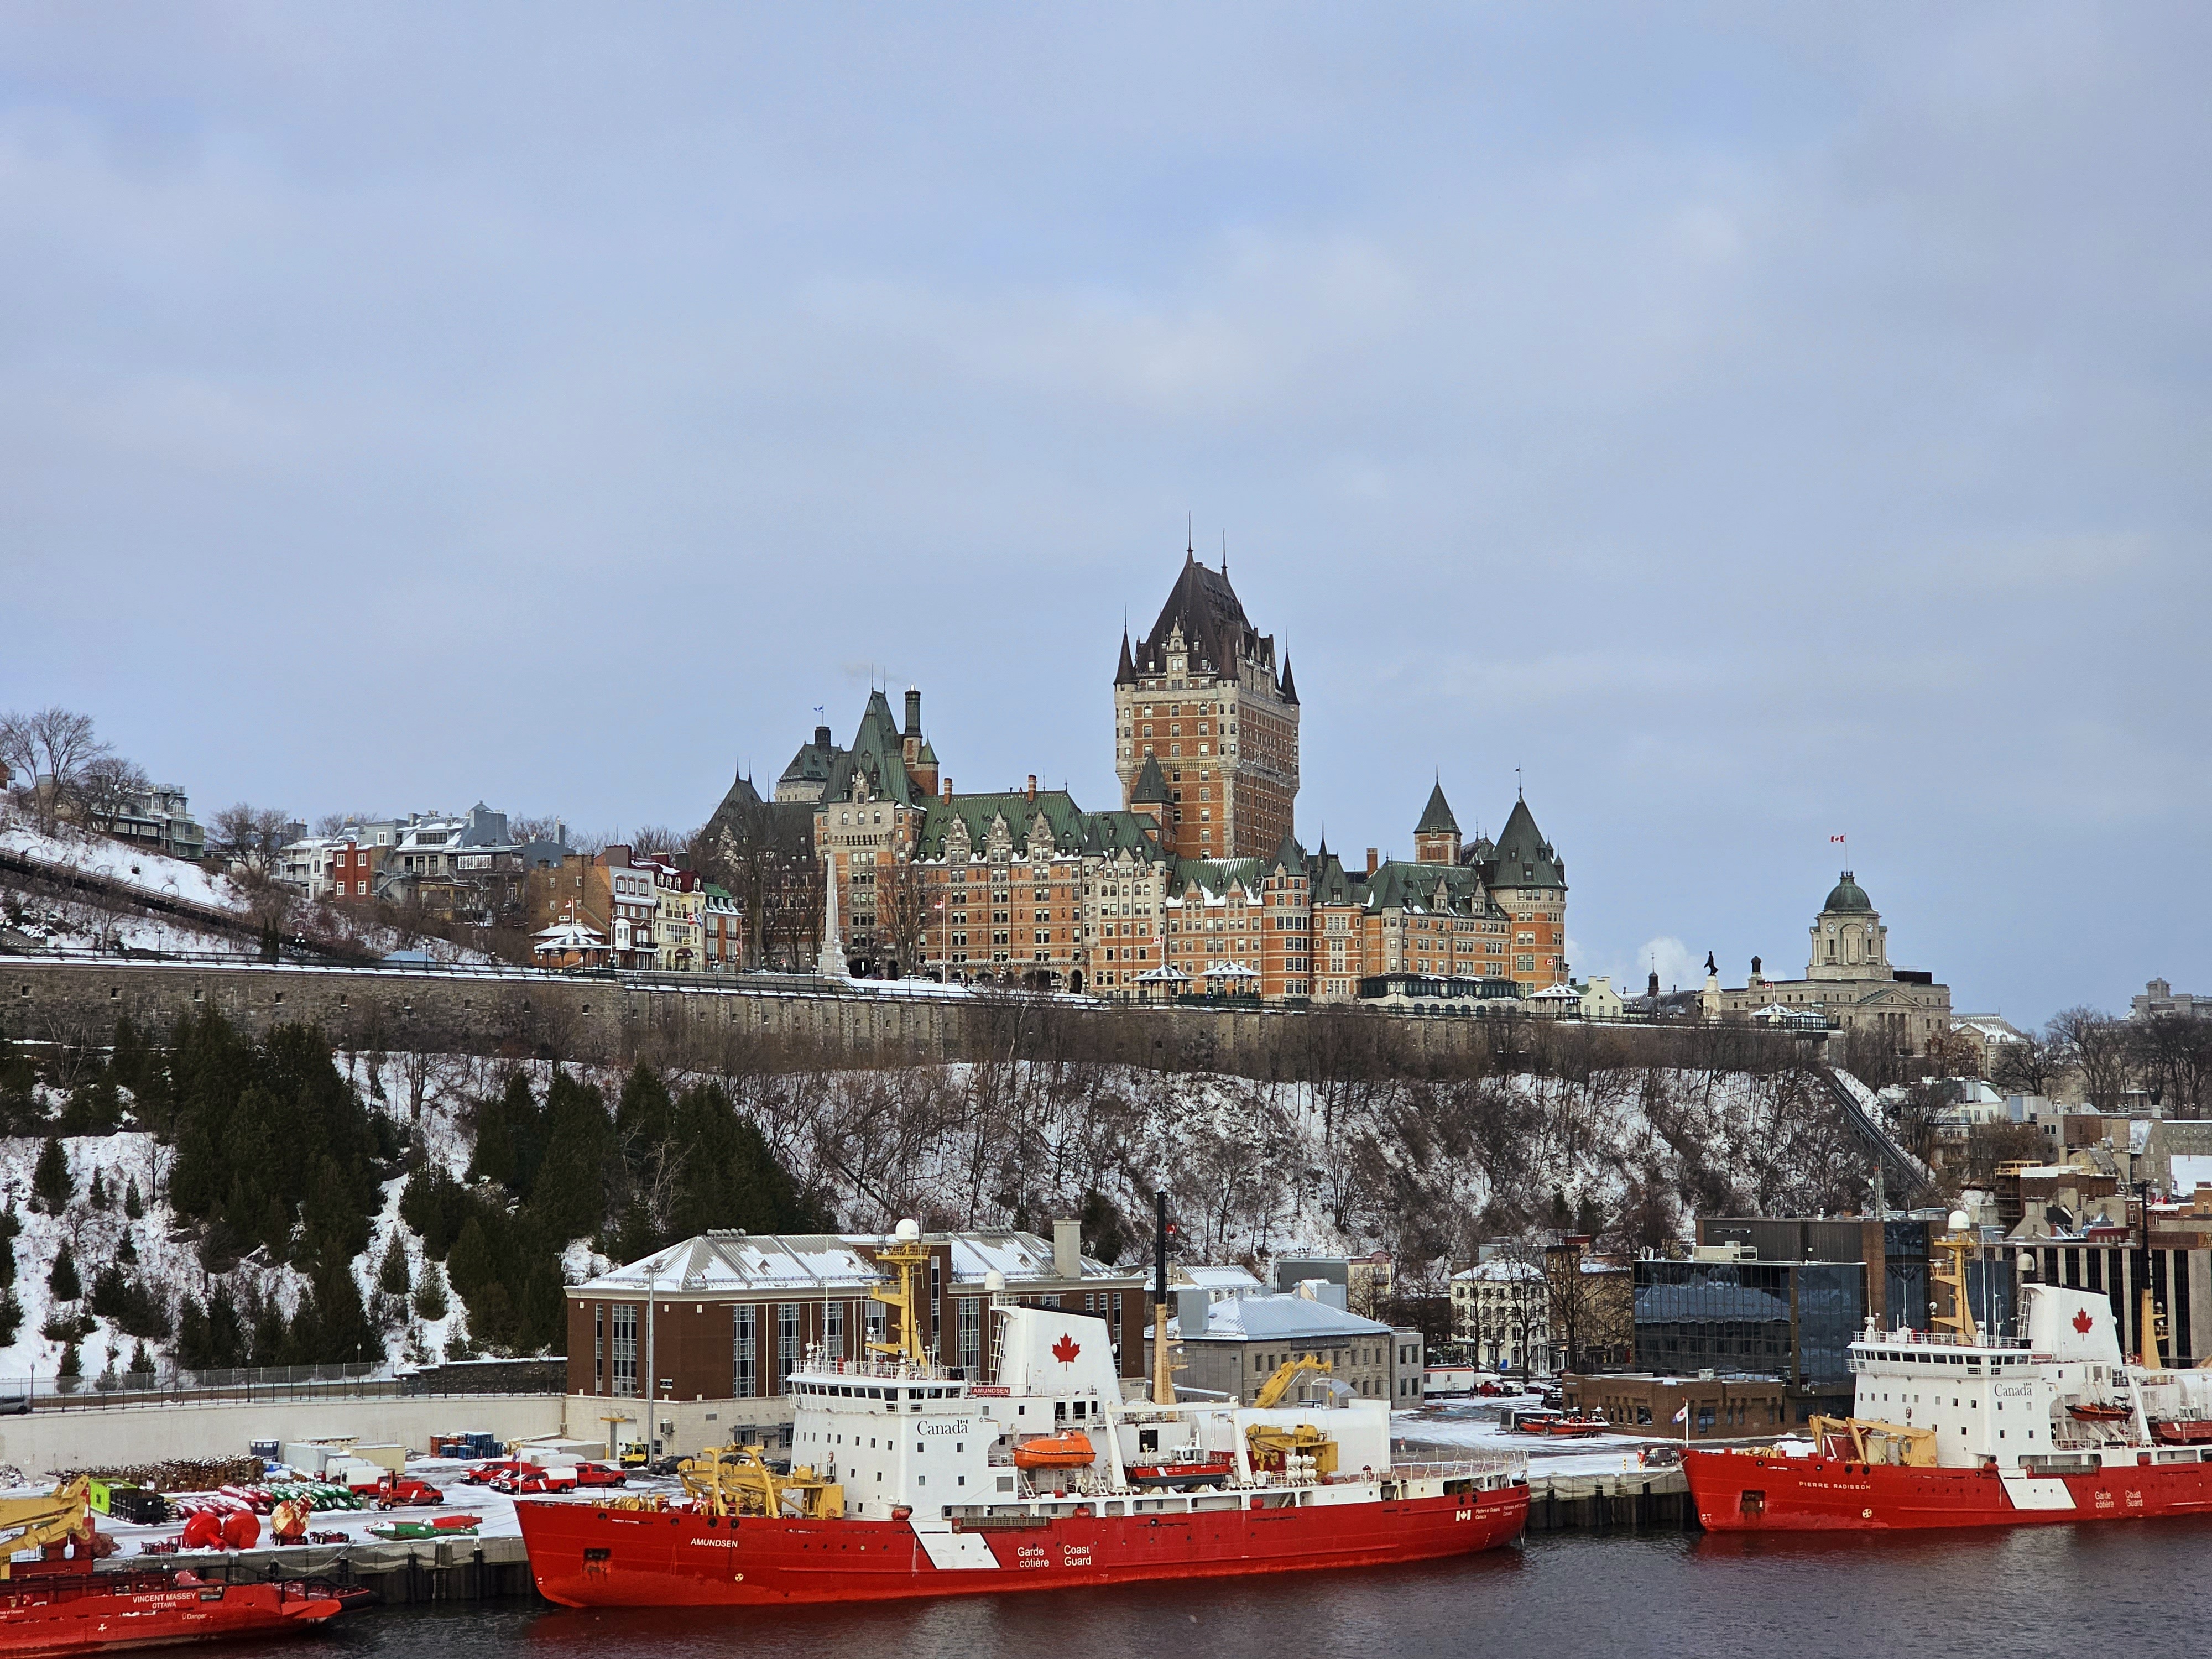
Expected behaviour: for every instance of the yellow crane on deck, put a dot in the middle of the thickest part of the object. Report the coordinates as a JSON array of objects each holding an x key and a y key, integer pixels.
[{"x": 54, "y": 1517}]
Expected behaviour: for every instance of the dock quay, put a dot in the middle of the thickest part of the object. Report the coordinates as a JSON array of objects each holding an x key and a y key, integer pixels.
[
  {"x": 1637, "y": 1500},
  {"x": 401, "y": 1573}
]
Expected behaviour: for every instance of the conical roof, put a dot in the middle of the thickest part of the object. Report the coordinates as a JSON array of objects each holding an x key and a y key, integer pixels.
[
  {"x": 1290, "y": 685},
  {"x": 1126, "y": 673},
  {"x": 1290, "y": 855},
  {"x": 1437, "y": 816},
  {"x": 1523, "y": 858},
  {"x": 1151, "y": 785}
]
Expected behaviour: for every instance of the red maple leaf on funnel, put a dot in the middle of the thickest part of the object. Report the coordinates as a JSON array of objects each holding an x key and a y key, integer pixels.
[
  {"x": 1065, "y": 1349},
  {"x": 2082, "y": 1321}
]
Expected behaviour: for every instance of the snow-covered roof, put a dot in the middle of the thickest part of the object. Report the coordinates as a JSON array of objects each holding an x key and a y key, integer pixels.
[
  {"x": 1213, "y": 1279},
  {"x": 1498, "y": 1273},
  {"x": 725, "y": 1263},
  {"x": 570, "y": 936},
  {"x": 1281, "y": 1319}
]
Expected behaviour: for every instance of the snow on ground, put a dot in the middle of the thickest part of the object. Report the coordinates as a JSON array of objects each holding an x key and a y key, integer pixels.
[
  {"x": 153, "y": 873},
  {"x": 95, "y": 1236},
  {"x": 1464, "y": 1425}
]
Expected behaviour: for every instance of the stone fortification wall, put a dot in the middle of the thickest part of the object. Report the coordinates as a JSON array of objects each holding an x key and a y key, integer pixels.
[{"x": 615, "y": 1020}]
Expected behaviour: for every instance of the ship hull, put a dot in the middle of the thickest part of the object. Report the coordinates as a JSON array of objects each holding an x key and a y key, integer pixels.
[
  {"x": 1740, "y": 1492},
  {"x": 48, "y": 1618},
  {"x": 585, "y": 1557}
]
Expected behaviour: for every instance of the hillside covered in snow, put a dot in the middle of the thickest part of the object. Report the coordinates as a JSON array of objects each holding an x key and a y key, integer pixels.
[{"x": 201, "y": 1199}]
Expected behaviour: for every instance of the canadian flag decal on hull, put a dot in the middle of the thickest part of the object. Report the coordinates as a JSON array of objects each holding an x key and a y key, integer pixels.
[{"x": 1066, "y": 1349}]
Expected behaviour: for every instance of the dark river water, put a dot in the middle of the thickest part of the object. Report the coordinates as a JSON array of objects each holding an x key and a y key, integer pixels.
[{"x": 2026, "y": 1593}]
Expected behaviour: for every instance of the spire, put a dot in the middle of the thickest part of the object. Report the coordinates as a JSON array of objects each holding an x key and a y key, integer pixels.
[
  {"x": 1290, "y": 685},
  {"x": 1190, "y": 537},
  {"x": 1151, "y": 786},
  {"x": 1126, "y": 673},
  {"x": 1437, "y": 817}
]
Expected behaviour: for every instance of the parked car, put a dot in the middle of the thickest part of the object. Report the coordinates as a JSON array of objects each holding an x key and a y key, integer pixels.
[
  {"x": 532, "y": 1480},
  {"x": 396, "y": 1490},
  {"x": 599, "y": 1474},
  {"x": 487, "y": 1472}
]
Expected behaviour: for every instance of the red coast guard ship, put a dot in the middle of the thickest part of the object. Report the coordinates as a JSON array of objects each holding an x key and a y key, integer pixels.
[
  {"x": 1954, "y": 1428},
  {"x": 60, "y": 1606},
  {"x": 910, "y": 1481}
]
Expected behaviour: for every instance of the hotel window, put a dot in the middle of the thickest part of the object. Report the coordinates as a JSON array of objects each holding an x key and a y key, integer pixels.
[
  {"x": 744, "y": 1355},
  {"x": 625, "y": 1348}
]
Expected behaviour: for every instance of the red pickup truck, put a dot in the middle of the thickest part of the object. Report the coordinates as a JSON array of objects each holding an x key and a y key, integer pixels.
[
  {"x": 397, "y": 1490},
  {"x": 599, "y": 1474}
]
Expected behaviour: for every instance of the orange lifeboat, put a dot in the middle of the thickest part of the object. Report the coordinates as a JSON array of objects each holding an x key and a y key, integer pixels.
[{"x": 1071, "y": 1451}]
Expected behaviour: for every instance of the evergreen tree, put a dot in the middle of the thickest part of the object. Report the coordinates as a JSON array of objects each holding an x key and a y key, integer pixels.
[
  {"x": 570, "y": 1194},
  {"x": 11, "y": 1318},
  {"x": 11, "y": 1224},
  {"x": 62, "y": 1278},
  {"x": 133, "y": 1206},
  {"x": 194, "y": 1352},
  {"x": 71, "y": 1368},
  {"x": 128, "y": 1249},
  {"x": 51, "y": 1185},
  {"x": 510, "y": 1136},
  {"x": 431, "y": 1292},
  {"x": 141, "y": 1362},
  {"x": 97, "y": 1194},
  {"x": 391, "y": 1275},
  {"x": 644, "y": 1114}
]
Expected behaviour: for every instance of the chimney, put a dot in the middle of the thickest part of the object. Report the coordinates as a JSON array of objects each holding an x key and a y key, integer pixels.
[
  {"x": 821, "y": 737},
  {"x": 1032, "y": 789},
  {"x": 1067, "y": 1248},
  {"x": 1196, "y": 1309},
  {"x": 912, "y": 713},
  {"x": 948, "y": 788},
  {"x": 1373, "y": 862}
]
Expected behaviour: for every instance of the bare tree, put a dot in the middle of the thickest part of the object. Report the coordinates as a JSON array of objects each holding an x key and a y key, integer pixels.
[
  {"x": 2027, "y": 1065},
  {"x": 2096, "y": 1045},
  {"x": 336, "y": 824},
  {"x": 1953, "y": 1054},
  {"x": 53, "y": 748},
  {"x": 2173, "y": 1054},
  {"x": 108, "y": 789},
  {"x": 248, "y": 837},
  {"x": 905, "y": 906}
]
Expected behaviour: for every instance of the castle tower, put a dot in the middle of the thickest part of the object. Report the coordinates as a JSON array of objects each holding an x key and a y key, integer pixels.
[
  {"x": 1203, "y": 697},
  {"x": 1436, "y": 837}
]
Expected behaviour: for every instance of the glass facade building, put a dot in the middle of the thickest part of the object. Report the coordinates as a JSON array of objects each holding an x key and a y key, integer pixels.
[{"x": 1793, "y": 1320}]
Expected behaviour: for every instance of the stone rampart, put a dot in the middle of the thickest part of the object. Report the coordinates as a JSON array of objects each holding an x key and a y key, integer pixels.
[{"x": 614, "y": 1019}]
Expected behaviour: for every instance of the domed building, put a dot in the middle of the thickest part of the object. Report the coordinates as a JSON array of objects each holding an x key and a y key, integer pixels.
[{"x": 1849, "y": 980}]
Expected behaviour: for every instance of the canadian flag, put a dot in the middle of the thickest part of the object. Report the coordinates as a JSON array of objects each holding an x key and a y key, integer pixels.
[{"x": 1836, "y": 838}]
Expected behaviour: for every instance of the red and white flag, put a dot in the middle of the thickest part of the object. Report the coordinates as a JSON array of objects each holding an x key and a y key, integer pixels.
[{"x": 1837, "y": 838}]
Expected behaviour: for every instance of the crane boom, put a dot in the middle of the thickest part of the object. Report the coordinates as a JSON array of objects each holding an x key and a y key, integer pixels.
[{"x": 50, "y": 1518}]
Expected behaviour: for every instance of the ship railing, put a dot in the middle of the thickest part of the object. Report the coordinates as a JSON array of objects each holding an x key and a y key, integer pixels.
[
  {"x": 882, "y": 1370},
  {"x": 1492, "y": 1464}
]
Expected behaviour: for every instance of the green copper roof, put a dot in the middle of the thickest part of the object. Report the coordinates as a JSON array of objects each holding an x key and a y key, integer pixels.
[
  {"x": 1437, "y": 817},
  {"x": 1522, "y": 857},
  {"x": 1848, "y": 897}
]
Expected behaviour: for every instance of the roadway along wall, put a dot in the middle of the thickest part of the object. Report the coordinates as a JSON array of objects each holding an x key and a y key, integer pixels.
[{"x": 81, "y": 1437}]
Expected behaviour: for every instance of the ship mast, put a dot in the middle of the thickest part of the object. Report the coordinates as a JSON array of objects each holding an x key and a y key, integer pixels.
[
  {"x": 908, "y": 1255},
  {"x": 1960, "y": 1319},
  {"x": 1163, "y": 1379}
]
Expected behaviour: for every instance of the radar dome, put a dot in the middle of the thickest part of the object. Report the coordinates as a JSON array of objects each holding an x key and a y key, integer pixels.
[
  {"x": 994, "y": 1281},
  {"x": 1958, "y": 1221},
  {"x": 908, "y": 1232}
]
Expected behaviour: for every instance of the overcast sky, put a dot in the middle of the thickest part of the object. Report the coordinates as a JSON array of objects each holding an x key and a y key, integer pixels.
[{"x": 1757, "y": 424}]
